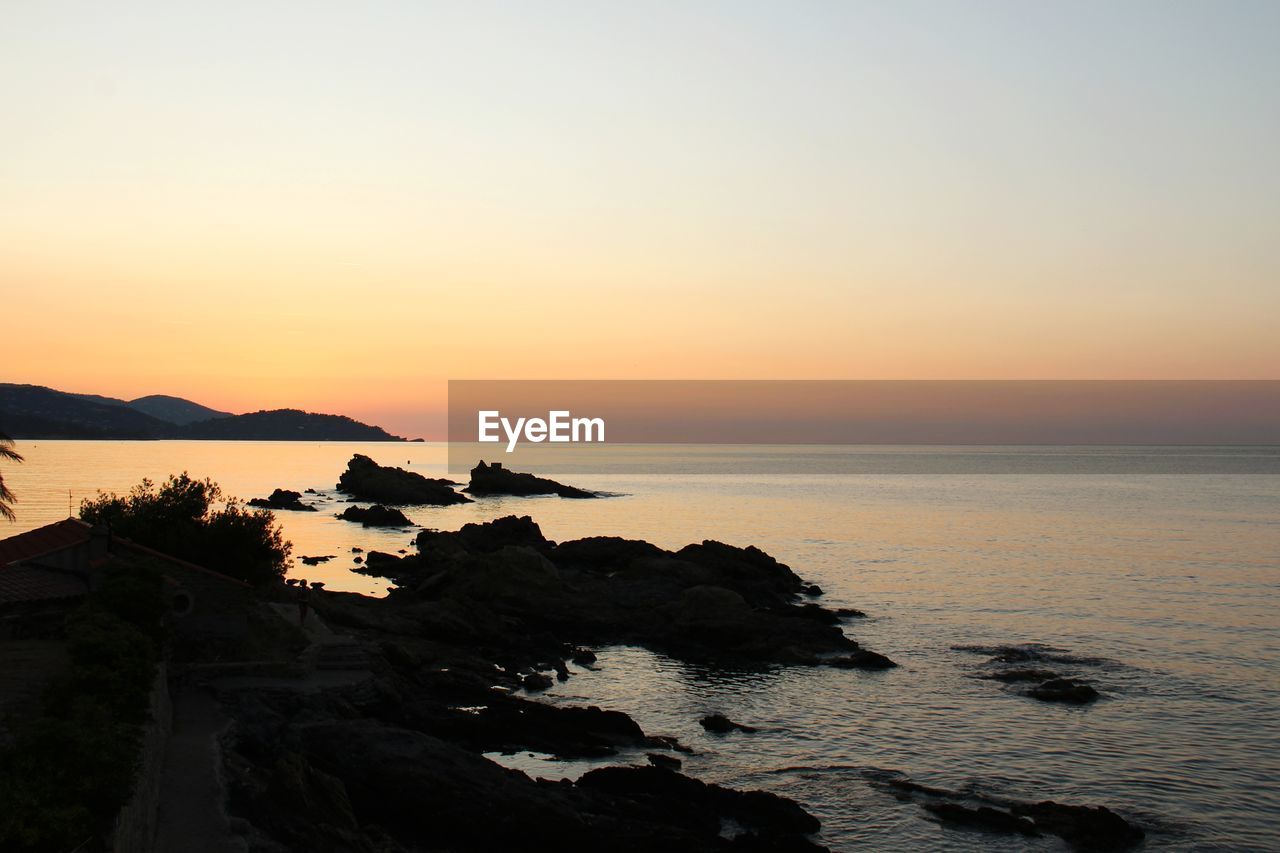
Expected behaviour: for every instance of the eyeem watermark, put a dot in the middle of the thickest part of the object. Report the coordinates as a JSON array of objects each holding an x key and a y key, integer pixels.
[{"x": 559, "y": 426}]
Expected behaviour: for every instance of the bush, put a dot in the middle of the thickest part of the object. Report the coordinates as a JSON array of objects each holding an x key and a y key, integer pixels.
[{"x": 178, "y": 519}]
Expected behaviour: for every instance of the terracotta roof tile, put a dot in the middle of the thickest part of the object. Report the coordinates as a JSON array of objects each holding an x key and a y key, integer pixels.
[
  {"x": 43, "y": 540},
  {"x": 26, "y": 582}
]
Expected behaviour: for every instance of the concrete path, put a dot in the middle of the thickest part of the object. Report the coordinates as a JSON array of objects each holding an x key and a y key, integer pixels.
[{"x": 191, "y": 817}]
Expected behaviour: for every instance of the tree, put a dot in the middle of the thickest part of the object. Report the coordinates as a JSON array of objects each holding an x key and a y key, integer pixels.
[
  {"x": 6, "y": 497},
  {"x": 178, "y": 519}
]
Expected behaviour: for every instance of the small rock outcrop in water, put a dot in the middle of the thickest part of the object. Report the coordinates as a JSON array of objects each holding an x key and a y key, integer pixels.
[
  {"x": 376, "y": 516},
  {"x": 720, "y": 724},
  {"x": 497, "y": 480},
  {"x": 1050, "y": 685},
  {"x": 1082, "y": 827},
  {"x": 705, "y": 601},
  {"x": 1069, "y": 690},
  {"x": 283, "y": 499},
  {"x": 315, "y": 561},
  {"x": 366, "y": 480}
]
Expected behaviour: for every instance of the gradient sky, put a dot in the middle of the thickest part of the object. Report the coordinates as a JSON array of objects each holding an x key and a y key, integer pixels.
[{"x": 338, "y": 206}]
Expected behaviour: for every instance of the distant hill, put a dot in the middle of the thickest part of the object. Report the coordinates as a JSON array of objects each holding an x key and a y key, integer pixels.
[
  {"x": 33, "y": 411},
  {"x": 175, "y": 410},
  {"x": 287, "y": 425}
]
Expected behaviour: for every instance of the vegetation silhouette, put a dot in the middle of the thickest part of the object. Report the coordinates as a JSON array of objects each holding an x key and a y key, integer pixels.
[
  {"x": 179, "y": 519},
  {"x": 7, "y": 498}
]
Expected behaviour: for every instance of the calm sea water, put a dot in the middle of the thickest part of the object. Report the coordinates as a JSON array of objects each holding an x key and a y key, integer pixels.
[{"x": 1172, "y": 581}]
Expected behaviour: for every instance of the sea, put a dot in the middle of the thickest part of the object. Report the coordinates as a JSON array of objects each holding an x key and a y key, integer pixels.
[{"x": 1153, "y": 574}]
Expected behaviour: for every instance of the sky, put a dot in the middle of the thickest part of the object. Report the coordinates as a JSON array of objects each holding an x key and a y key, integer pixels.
[{"x": 341, "y": 206}]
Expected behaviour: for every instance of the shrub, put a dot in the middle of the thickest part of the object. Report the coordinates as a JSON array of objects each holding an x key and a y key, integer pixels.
[{"x": 178, "y": 518}]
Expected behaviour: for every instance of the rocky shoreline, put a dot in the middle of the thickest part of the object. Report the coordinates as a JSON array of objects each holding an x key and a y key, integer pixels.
[{"x": 480, "y": 618}]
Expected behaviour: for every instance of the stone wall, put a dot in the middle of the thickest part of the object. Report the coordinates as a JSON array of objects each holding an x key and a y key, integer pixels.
[{"x": 136, "y": 824}]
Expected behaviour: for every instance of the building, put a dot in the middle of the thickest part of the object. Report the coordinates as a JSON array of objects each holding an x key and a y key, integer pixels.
[{"x": 45, "y": 571}]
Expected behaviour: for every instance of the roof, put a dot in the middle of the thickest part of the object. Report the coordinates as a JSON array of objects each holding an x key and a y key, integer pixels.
[
  {"x": 35, "y": 583},
  {"x": 60, "y": 536},
  {"x": 44, "y": 540}
]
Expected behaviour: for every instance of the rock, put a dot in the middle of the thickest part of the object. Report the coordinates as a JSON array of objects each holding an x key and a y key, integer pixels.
[
  {"x": 761, "y": 813},
  {"x": 583, "y": 657},
  {"x": 1083, "y": 827},
  {"x": 366, "y": 480},
  {"x": 1067, "y": 690},
  {"x": 315, "y": 561},
  {"x": 667, "y": 762},
  {"x": 357, "y": 550},
  {"x": 497, "y": 480},
  {"x": 720, "y": 724},
  {"x": 813, "y": 589},
  {"x": 536, "y": 682},
  {"x": 604, "y": 553},
  {"x": 283, "y": 499},
  {"x": 982, "y": 817},
  {"x": 706, "y": 601},
  {"x": 376, "y": 516},
  {"x": 861, "y": 659},
  {"x": 442, "y": 547}
]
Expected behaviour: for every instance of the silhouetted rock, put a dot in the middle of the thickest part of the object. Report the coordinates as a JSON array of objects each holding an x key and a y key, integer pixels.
[
  {"x": 707, "y": 600},
  {"x": 376, "y": 516},
  {"x": 861, "y": 659},
  {"x": 1082, "y": 827},
  {"x": 720, "y": 724},
  {"x": 496, "y": 480},
  {"x": 759, "y": 812},
  {"x": 328, "y": 772},
  {"x": 366, "y": 480},
  {"x": 536, "y": 682},
  {"x": 982, "y": 817},
  {"x": 283, "y": 499},
  {"x": 315, "y": 561},
  {"x": 667, "y": 762},
  {"x": 1067, "y": 690}
]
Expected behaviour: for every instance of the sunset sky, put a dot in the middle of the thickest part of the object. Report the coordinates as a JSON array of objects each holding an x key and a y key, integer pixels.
[{"x": 339, "y": 206}]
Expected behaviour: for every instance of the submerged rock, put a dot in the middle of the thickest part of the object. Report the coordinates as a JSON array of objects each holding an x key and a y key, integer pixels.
[
  {"x": 861, "y": 659},
  {"x": 982, "y": 817},
  {"x": 1082, "y": 827},
  {"x": 1067, "y": 690},
  {"x": 720, "y": 724},
  {"x": 496, "y": 480},
  {"x": 366, "y": 480},
  {"x": 315, "y": 561},
  {"x": 376, "y": 516},
  {"x": 283, "y": 499}
]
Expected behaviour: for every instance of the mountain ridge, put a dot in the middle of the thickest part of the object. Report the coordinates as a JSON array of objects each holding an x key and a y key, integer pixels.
[{"x": 37, "y": 411}]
